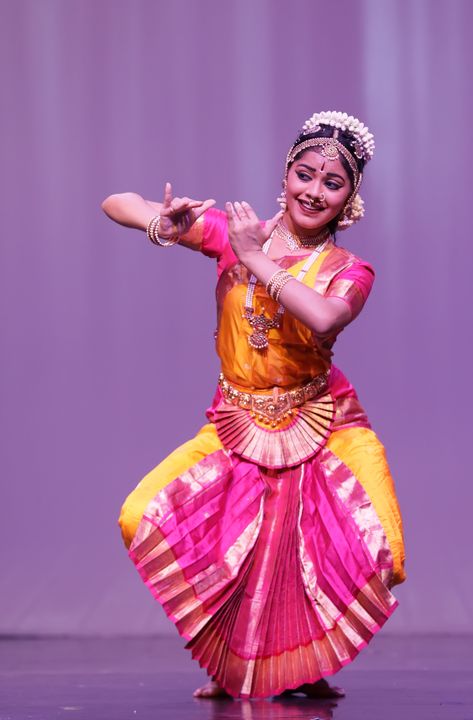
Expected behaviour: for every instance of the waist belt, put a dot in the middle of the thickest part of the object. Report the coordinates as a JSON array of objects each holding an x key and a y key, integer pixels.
[
  {"x": 274, "y": 429},
  {"x": 273, "y": 406}
]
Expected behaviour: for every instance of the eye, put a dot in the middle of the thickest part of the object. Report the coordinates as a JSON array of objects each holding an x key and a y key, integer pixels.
[
  {"x": 303, "y": 176},
  {"x": 332, "y": 185}
]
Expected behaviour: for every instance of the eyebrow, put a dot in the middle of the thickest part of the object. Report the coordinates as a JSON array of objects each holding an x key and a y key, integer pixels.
[{"x": 309, "y": 167}]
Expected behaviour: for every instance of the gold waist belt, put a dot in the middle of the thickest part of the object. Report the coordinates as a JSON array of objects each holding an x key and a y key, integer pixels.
[{"x": 273, "y": 406}]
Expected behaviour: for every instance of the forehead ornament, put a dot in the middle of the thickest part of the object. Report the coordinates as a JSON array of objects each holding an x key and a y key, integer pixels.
[
  {"x": 363, "y": 141},
  {"x": 330, "y": 151},
  {"x": 331, "y": 148}
]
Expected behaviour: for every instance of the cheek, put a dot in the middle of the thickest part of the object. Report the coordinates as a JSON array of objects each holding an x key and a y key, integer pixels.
[
  {"x": 337, "y": 203},
  {"x": 293, "y": 186},
  {"x": 293, "y": 193}
]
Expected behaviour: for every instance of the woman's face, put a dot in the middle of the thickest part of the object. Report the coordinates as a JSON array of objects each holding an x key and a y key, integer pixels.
[{"x": 317, "y": 189}]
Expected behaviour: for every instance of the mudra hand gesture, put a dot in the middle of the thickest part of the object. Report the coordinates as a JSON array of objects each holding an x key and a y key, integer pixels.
[
  {"x": 245, "y": 231},
  {"x": 179, "y": 214}
]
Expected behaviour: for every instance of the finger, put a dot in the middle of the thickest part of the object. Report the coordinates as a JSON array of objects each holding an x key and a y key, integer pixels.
[
  {"x": 250, "y": 213},
  {"x": 205, "y": 206},
  {"x": 230, "y": 214},
  {"x": 167, "y": 195},
  {"x": 239, "y": 212},
  {"x": 271, "y": 224},
  {"x": 189, "y": 202},
  {"x": 243, "y": 210},
  {"x": 180, "y": 205},
  {"x": 208, "y": 203}
]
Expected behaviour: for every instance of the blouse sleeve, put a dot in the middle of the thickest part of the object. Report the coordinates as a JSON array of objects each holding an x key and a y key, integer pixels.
[
  {"x": 353, "y": 285},
  {"x": 208, "y": 234}
]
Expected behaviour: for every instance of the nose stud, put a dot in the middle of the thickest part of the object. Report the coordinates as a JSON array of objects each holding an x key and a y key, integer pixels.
[{"x": 314, "y": 201}]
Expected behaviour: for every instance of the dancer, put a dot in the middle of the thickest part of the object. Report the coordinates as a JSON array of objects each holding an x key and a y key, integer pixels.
[{"x": 273, "y": 538}]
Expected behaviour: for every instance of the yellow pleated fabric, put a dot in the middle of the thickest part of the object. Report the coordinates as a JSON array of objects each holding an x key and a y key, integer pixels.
[
  {"x": 361, "y": 450},
  {"x": 181, "y": 459},
  {"x": 358, "y": 448}
]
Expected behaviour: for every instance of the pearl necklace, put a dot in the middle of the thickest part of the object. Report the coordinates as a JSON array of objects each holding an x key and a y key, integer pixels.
[
  {"x": 261, "y": 325},
  {"x": 295, "y": 242}
]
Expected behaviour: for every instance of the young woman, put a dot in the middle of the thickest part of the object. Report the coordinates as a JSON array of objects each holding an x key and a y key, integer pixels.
[{"x": 273, "y": 538}]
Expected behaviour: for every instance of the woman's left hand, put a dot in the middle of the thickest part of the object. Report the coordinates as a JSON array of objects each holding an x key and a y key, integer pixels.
[{"x": 245, "y": 232}]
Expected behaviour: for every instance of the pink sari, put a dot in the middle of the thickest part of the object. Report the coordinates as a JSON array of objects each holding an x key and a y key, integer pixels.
[{"x": 275, "y": 576}]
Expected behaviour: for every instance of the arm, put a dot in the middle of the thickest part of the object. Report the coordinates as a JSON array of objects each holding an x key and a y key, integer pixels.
[
  {"x": 324, "y": 316},
  {"x": 130, "y": 209},
  {"x": 177, "y": 214}
]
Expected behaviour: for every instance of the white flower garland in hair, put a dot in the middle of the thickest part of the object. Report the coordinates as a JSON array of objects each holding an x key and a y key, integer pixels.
[
  {"x": 352, "y": 213},
  {"x": 363, "y": 139}
]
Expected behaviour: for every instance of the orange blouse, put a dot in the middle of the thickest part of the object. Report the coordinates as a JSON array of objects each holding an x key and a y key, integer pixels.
[{"x": 295, "y": 354}]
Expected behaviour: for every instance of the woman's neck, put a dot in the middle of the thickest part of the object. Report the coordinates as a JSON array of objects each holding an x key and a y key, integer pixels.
[{"x": 301, "y": 232}]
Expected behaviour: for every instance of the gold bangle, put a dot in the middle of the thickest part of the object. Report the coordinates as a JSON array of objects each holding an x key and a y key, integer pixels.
[
  {"x": 282, "y": 284},
  {"x": 277, "y": 282},
  {"x": 273, "y": 280}
]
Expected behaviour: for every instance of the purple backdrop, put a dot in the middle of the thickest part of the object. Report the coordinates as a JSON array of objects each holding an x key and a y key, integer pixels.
[{"x": 108, "y": 359}]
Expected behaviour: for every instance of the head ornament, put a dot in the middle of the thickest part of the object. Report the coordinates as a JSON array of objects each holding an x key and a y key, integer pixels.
[
  {"x": 363, "y": 140},
  {"x": 362, "y": 148}
]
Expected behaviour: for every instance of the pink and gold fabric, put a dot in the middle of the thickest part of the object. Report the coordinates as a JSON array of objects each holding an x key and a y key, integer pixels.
[
  {"x": 274, "y": 578},
  {"x": 275, "y": 560}
]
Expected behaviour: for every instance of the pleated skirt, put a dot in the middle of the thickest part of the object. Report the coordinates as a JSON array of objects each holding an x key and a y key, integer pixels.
[{"x": 274, "y": 577}]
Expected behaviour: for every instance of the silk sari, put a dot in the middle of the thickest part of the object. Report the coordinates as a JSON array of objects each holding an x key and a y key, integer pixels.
[{"x": 277, "y": 573}]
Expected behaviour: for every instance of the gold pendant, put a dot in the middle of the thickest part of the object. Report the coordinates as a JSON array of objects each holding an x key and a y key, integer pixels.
[
  {"x": 261, "y": 326},
  {"x": 258, "y": 340}
]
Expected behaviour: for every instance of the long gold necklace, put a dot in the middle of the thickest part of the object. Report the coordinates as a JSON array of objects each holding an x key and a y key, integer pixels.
[{"x": 260, "y": 324}]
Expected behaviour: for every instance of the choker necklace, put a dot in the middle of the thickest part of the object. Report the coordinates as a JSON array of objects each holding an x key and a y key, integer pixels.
[{"x": 295, "y": 242}]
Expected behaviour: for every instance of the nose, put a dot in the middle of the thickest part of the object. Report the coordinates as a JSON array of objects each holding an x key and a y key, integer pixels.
[{"x": 314, "y": 192}]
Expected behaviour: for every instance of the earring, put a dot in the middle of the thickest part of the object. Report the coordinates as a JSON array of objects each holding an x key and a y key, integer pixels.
[
  {"x": 352, "y": 212},
  {"x": 282, "y": 197}
]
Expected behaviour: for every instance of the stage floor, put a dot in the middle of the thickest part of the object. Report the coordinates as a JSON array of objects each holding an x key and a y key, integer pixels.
[{"x": 394, "y": 678}]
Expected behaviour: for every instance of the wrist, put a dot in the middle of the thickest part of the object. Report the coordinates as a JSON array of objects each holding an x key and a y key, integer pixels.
[
  {"x": 153, "y": 231},
  {"x": 249, "y": 256}
]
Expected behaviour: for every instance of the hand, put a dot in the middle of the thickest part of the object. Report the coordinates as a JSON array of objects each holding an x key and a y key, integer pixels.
[
  {"x": 245, "y": 232},
  {"x": 179, "y": 214}
]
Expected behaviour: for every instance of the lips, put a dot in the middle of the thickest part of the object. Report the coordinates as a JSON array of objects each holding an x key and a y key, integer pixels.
[{"x": 308, "y": 208}]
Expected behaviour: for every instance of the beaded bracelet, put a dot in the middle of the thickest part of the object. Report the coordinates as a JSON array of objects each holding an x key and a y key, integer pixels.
[
  {"x": 276, "y": 283},
  {"x": 272, "y": 280},
  {"x": 152, "y": 231},
  {"x": 282, "y": 283}
]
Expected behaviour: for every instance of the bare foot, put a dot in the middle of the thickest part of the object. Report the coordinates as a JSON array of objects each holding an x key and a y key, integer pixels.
[
  {"x": 211, "y": 690},
  {"x": 319, "y": 689}
]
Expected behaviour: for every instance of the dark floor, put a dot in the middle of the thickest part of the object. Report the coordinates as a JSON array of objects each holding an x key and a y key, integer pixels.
[{"x": 394, "y": 678}]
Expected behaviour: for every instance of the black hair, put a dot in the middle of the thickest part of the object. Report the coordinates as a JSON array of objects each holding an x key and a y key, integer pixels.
[{"x": 346, "y": 139}]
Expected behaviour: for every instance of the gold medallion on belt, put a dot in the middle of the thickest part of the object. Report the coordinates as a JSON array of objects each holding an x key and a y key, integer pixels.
[
  {"x": 273, "y": 407},
  {"x": 273, "y": 428}
]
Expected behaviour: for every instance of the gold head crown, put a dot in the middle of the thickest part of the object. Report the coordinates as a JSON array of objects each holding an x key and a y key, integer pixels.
[{"x": 363, "y": 140}]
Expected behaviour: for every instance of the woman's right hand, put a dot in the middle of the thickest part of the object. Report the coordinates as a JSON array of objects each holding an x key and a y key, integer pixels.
[{"x": 179, "y": 214}]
